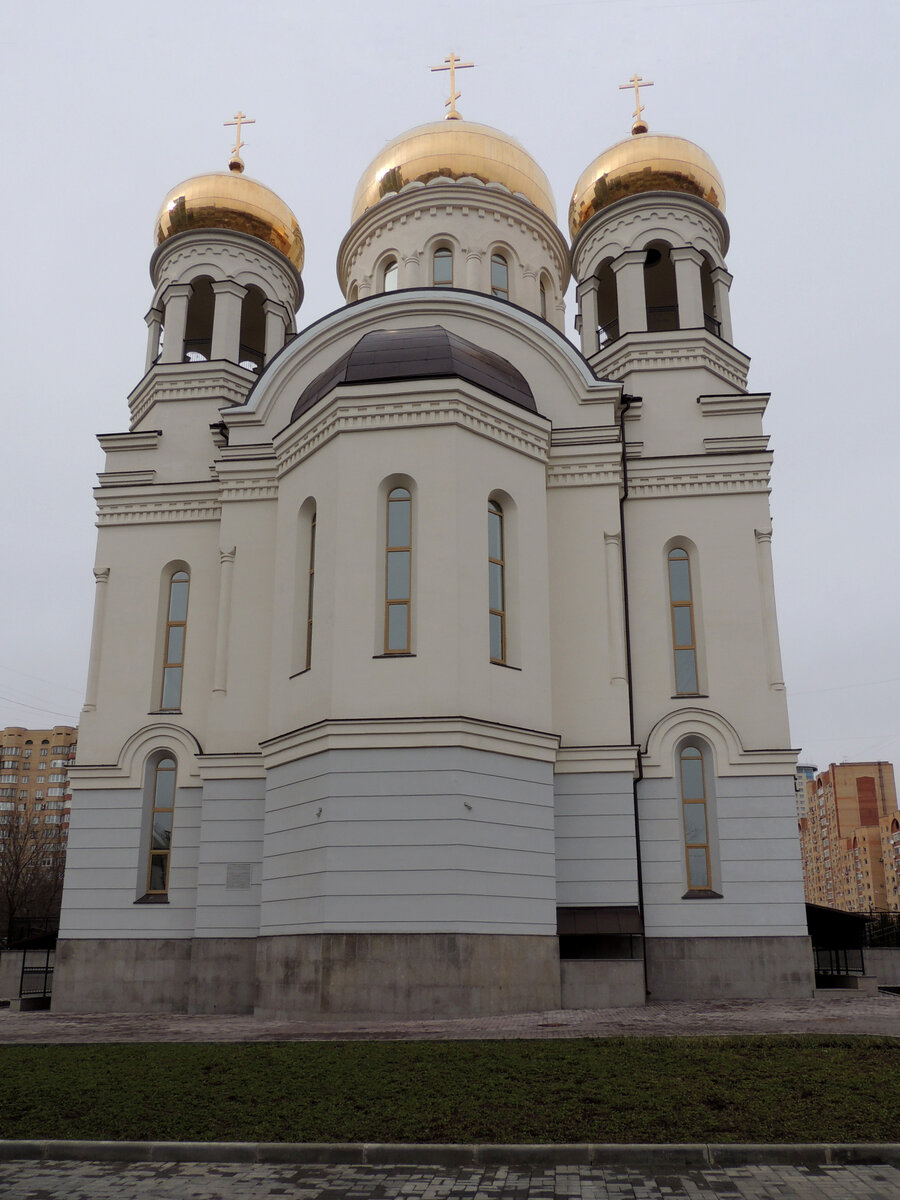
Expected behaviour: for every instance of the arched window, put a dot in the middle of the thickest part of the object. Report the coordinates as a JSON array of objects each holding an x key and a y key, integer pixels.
[
  {"x": 252, "y": 349},
  {"x": 390, "y": 276},
  {"x": 398, "y": 571},
  {"x": 162, "y": 785},
  {"x": 660, "y": 289},
  {"x": 496, "y": 582},
  {"x": 684, "y": 641},
  {"x": 696, "y": 823},
  {"x": 543, "y": 299},
  {"x": 310, "y": 588},
  {"x": 199, "y": 322},
  {"x": 442, "y": 267},
  {"x": 173, "y": 652},
  {"x": 499, "y": 277}
]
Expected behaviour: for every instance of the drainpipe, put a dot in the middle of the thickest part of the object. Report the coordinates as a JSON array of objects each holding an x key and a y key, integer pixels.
[{"x": 627, "y": 401}]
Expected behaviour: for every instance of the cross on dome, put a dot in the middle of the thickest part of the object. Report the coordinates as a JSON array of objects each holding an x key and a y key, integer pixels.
[
  {"x": 636, "y": 82},
  {"x": 236, "y": 163},
  {"x": 453, "y": 64}
]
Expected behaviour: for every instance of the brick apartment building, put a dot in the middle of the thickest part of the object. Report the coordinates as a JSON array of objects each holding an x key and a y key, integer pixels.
[{"x": 34, "y": 785}]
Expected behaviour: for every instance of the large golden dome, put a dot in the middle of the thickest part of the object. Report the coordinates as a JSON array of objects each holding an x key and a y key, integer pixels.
[
  {"x": 455, "y": 149},
  {"x": 229, "y": 200},
  {"x": 644, "y": 162}
]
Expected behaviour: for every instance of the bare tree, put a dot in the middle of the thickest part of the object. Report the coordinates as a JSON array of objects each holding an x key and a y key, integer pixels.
[{"x": 31, "y": 874}]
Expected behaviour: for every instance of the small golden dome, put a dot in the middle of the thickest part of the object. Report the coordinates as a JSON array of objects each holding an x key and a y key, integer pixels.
[
  {"x": 644, "y": 162},
  {"x": 455, "y": 149},
  {"x": 229, "y": 200}
]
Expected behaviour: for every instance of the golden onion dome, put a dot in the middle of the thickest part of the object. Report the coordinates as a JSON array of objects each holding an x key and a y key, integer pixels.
[
  {"x": 644, "y": 162},
  {"x": 229, "y": 200},
  {"x": 455, "y": 149}
]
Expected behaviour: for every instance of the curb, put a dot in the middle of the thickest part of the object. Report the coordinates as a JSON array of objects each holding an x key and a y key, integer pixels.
[{"x": 666, "y": 1156}]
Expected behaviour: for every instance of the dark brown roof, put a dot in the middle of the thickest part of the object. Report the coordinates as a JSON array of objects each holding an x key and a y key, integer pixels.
[{"x": 429, "y": 352}]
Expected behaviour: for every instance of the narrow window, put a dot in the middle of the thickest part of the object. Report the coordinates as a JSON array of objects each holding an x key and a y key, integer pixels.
[
  {"x": 683, "y": 634},
  {"x": 496, "y": 583},
  {"x": 499, "y": 277},
  {"x": 161, "y": 827},
  {"x": 442, "y": 267},
  {"x": 543, "y": 301},
  {"x": 311, "y": 588},
  {"x": 176, "y": 627},
  {"x": 696, "y": 835},
  {"x": 397, "y": 575},
  {"x": 390, "y": 275}
]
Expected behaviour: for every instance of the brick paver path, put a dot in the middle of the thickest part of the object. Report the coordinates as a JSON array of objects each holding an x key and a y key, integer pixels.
[
  {"x": 846, "y": 1012},
  {"x": 165, "y": 1181}
]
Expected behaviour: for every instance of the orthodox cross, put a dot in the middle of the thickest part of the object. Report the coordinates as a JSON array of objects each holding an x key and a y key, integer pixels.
[
  {"x": 239, "y": 120},
  {"x": 640, "y": 125},
  {"x": 453, "y": 64}
]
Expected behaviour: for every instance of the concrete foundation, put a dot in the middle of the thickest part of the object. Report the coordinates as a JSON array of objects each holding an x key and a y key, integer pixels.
[
  {"x": 10, "y": 974},
  {"x": 122, "y": 975},
  {"x": 729, "y": 968},
  {"x": 403, "y": 974},
  {"x": 884, "y": 963},
  {"x": 602, "y": 983}
]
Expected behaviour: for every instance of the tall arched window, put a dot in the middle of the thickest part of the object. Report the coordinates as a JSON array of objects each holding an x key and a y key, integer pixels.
[
  {"x": 442, "y": 267},
  {"x": 390, "y": 276},
  {"x": 310, "y": 588},
  {"x": 543, "y": 300},
  {"x": 398, "y": 572},
  {"x": 696, "y": 824},
  {"x": 161, "y": 814},
  {"x": 496, "y": 582},
  {"x": 684, "y": 641},
  {"x": 173, "y": 653},
  {"x": 499, "y": 276}
]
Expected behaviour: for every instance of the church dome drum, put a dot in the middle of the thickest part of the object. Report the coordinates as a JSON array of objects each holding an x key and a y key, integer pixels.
[
  {"x": 230, "y": 200},
  {"x": 644, "y": 162},
  {"x": 454, "y": 149}
]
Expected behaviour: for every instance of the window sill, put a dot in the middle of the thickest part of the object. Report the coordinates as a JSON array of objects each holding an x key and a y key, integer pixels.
[
  {"x": 153, "y": 898},
  {"x": 702, "y": 894},
  {"x": 396, "y": 654},
  {"x": 508, "y": 666},
  {"x": 164, "y": 712},
  {"x": 690, "y": 695}
]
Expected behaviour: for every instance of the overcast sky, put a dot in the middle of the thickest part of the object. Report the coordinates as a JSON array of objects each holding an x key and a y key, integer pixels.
[{"x": 105, "y": 106}]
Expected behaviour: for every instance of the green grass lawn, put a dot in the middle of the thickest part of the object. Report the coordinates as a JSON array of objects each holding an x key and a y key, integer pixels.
[{"x": 654, "y": 1089}]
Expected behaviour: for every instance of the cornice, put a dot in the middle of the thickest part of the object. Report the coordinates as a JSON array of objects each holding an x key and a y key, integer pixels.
[
  {"x": 183, "y": 249},
  {"x": 597, "y": 465},
  {"x": 362, "y": 408},
  {"x": 409, "y": 733},
  {"x": 734, "y": 405},
  {"x": 697, "y": 476},
  {"x": 221, "y": 381},
  {"x": 582, "y": 760},
  {"x": 126, "y": 478},
  {"x": 143, "y": 439},
  {"x": 629, "y": 215},
  {"x": 157, "y": 503},
  {"x": 676, "y": 349}
]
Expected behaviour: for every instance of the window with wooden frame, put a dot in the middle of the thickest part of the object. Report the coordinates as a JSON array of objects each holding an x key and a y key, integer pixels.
[
  {"x": 173, "y": 651},
  {"x": 496, "y": 583},
  {"x": 681, "y": 604},
  {"x": 390, "y": 275},
  {"x": 499, "y": 277},
  {"x": 162, "y": 812},
  {"x": 310, "y": 587},
  {"x": 398, "y": 572},
  {"x": 442, "y": 267},
  {"x": 695, "y": 816}
]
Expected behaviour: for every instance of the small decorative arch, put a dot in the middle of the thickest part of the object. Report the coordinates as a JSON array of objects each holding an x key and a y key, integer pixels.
[{"x": 160, "y": 737}]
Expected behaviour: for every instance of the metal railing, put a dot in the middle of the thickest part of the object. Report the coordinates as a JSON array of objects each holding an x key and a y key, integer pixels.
[
  {"x": 37, "y": 973},
  {"x": 839, "y": 962}
]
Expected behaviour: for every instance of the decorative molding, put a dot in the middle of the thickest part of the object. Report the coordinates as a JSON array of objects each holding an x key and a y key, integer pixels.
[
  {"x": 207, "y": 247},
  {"x": 730, "y": 755},
  {"x": 221, "y": 381},
  {"x": 739, "y": 444},
  {"x": 197, "y": 502},
  {"x": 143, "y": 439},
  {"x": 355, "y": 409},
  {"x": 737, "y": 405},
  {"x": 126, "y": 478},
  {"x": 585, "y": 435},
  {"x": 583, "y": 760},
  {"x": 406, "y": 733},
  {"x": 584, "y": 472},
  {"x": 652, "y": 478},
  {"x": 677, "y": 349}
]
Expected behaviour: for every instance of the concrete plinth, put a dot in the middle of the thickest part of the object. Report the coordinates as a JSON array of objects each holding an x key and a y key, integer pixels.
[
  {"x": 602, "y": 983},
  {"x": 729, "y": 968}
]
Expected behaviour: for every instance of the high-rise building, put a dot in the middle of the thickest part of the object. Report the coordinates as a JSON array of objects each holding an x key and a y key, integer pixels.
[
  {"x": 34, "y": 783},
  {"x": 850, "y": 838},
  {"x": 435, "y": 664}
]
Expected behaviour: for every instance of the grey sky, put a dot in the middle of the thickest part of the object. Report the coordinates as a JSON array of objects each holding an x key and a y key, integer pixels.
[{"x": 106, "y": 106}]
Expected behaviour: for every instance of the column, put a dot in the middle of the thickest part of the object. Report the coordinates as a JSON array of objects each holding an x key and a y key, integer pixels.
[
  {"x": 721, "y": 281},
  {"x": 530, "y": 297},
  {"x": 226, "y": 331},
  {"x": 767, "y": 599},
  {"x": 175, "y": 299},
  {"x": 586, "y": 294},
  {"x": 154, "y": 325},
  {"x": 276, "y": 324},
  {"x": 629, "y": 272},
  {"x": 615, "y": 607},
  {"x": 687, "y": 262},
  {"x": 101, "y": 577},
  {"x": 410, "y": 271},
  {"x": 364, "y": 286},
  {"x": 226, "y": 572},
  {"x": 473, "y": 271}
]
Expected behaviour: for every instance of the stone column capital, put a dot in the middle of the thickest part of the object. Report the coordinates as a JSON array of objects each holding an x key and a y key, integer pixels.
[
  {"x": 177, "y": 291},
  {"x": 685, "y": 254},
  {"x": 720, "y": 275},
  {"x": 629, "y": 258},
  {"x": 228, "y": 287}
]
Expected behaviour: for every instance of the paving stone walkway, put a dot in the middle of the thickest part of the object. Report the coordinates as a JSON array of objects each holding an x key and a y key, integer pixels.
[
  {"x": 195, "y": 1181},
  {"x": 844, "y": 1012}
]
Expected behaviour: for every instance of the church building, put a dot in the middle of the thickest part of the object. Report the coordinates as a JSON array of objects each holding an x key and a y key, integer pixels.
[{"x": 435, "y": 666}]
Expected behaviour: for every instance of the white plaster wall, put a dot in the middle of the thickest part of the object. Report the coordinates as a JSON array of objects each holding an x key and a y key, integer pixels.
[
  {"x": 596, "y": 859},
  {"x": 437, "y": 840},
  {"x": 756, "y": 846},
  {"x": 231, "y": 836}
]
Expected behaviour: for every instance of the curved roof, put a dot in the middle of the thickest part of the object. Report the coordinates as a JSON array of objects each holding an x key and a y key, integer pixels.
[{"x": 425, "y": 352}]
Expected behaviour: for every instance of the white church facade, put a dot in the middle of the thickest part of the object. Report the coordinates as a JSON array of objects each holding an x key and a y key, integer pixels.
[{"x": 435, "y": 666}]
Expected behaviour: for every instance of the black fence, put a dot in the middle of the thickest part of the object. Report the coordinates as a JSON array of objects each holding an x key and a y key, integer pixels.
[{"x": 37, "y": 973}]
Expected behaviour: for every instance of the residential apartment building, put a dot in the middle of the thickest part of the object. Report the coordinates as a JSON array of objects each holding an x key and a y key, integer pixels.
[
  {"x": 34, "y": 784},
  {"x": 850, "y": 838}
]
